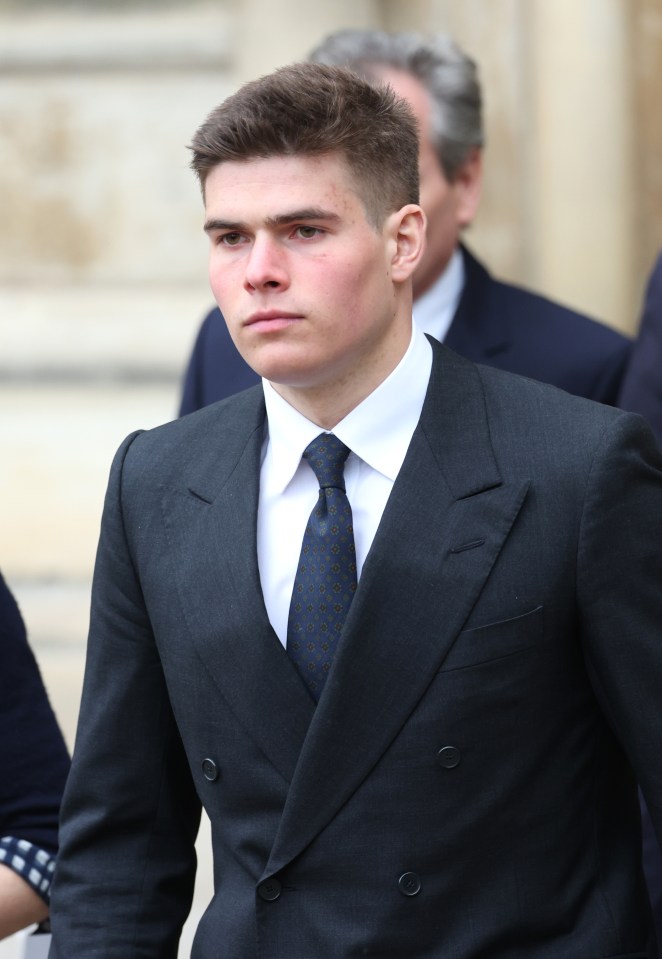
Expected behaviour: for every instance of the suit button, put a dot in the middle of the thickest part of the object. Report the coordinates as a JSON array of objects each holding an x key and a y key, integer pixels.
[
  {"x": 209, "y": 770},
  {"x": 269, "y": 890},
  {"x": 409, "y": 884},
  {"x": 449, "y": 757}
]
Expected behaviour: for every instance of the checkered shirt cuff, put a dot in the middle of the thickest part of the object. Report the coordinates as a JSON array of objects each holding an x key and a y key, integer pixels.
[{"x": 33, "y": 864}]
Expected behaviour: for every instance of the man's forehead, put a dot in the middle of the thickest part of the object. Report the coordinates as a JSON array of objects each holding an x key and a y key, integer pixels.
[
  {"x": 276, "y": 186},
  {"x": 276, "y": 168}
]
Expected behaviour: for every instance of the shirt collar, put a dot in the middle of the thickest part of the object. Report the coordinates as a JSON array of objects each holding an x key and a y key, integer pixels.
[{"x": 378, "y": 430}]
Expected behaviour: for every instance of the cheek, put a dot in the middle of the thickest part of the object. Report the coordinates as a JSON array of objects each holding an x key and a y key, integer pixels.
[
  {"x": 337, "y": 282},
  {"x": 213, "y": 268},
  {"x": 223, "y": 278}
]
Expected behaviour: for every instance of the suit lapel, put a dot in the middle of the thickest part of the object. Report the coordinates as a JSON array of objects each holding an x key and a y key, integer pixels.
[
  {"x": 479, "y": 331},
  {"x": 211, "y": 522},
  {"x": 449, "y": 514}
]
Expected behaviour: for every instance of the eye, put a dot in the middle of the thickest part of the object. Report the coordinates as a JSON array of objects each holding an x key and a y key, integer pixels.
[
  {"x": 229, "y": 239},
  {"x": 308, "y": 232}
]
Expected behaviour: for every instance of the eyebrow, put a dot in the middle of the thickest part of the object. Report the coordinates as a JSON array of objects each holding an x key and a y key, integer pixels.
[{"x": 308, "y": 213}]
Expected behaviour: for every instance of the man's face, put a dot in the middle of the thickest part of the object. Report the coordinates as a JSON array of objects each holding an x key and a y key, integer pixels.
[
  {"x": 448, "y": 206},
  {"x": 305, "y": 283}
]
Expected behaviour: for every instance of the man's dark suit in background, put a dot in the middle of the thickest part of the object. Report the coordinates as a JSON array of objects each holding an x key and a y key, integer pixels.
[
  {"x": 642, "y": 393},
  {"x": 495, "y": 323},
  {"x": 642, "y": 385}
]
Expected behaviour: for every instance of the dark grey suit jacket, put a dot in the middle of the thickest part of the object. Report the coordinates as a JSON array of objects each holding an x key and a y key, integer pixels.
[{"x": 466, "y": 786}]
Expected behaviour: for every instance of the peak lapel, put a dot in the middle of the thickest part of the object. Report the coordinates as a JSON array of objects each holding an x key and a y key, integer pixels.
[
  {"x": 211, "y": 523},
  {"x": 448, "y": 515}
]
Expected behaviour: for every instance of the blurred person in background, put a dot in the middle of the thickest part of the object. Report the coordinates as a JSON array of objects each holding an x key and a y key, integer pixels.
[
  {"x": 642, "y": 393},
  {"x": 456, "y": 299},
  {"x": 33, "y": 768},
  {"x": 642, "y": 385}
]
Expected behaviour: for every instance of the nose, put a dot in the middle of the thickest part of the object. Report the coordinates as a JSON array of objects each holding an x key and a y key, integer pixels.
[{"x": 266, "y": 266}]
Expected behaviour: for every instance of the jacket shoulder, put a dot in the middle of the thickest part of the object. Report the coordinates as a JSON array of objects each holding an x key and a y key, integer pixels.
[
  {"x": 534, "y": 307},
  {"x": 184, "y": 445},
  {"x": 525, "y": 306}
]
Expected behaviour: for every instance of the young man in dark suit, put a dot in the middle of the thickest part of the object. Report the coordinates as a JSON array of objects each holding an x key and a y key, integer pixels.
[
  {"x": 456, "y": 299},
  {"x": 392, "y": 617}
]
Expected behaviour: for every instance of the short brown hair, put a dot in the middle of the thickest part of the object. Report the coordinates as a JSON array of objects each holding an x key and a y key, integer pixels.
[{"x": 311, "y": 110}]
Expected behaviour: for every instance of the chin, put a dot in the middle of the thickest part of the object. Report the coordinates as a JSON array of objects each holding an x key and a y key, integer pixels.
[{"x": 281, "y": 370}]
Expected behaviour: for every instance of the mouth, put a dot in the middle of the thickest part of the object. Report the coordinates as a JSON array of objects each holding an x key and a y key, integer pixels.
[{"x": 271, "y": 320}]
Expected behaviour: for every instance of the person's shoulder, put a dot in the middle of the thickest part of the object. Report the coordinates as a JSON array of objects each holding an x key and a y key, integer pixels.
[
  {"x": 526, "y": 306},
  {"x": 529, "y": 405},
  {"x": 548, "y": 431},
  {"x": 12, "y": 629},
  {"x": 19, "y": 673},
  {"x": 224, "y": 425},
  {"x": 534, "y": 429},
  {"x": 537, "y": 415},
  {"x": 532, "y": 393},
  {"x": 536, "y": 307},
  {"x": 655, "y": 280},
  {"x": 652, "y": 314},
  {"x": 213, "y": 328}
]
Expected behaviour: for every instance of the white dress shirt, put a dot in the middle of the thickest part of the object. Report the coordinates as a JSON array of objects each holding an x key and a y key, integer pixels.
[
  {"x": 434, "y": 311},
  {"x": 377, "y": 432}
]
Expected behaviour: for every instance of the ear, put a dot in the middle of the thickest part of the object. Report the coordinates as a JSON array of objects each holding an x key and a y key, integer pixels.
[
  {"x": 407, "y": 228},
  {"x": 467, "y": 186}
]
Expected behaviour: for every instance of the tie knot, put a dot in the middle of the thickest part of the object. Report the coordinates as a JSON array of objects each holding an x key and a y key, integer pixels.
[{"x": 326, "y": 456}]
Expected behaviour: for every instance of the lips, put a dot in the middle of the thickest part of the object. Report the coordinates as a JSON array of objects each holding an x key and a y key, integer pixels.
[
  {"x": 271, "y": 321},
  {"x": 270, "y": 316}
]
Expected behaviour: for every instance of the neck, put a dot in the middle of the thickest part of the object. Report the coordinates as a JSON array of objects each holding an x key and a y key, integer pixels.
[{"x": 326, "y": 404}]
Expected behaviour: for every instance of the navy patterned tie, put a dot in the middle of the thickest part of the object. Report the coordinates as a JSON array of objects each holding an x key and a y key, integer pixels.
[{"x": 325, "y": 580}]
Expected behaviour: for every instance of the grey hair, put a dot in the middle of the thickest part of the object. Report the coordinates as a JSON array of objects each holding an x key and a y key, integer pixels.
[{"x": 448, "y": 75}]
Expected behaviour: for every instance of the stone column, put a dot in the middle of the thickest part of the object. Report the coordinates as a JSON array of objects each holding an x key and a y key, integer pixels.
[{"x": 582, "y": 176}]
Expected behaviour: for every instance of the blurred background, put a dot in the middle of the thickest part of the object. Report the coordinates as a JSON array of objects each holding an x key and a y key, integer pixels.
[{"x": 103, "y": 260}]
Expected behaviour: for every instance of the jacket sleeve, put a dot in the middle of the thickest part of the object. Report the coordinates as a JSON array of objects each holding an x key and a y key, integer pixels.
[
  {"x": 130, "y": 815},
  {"x": 33, "y": 757},
  {"x": 620, "y": 595}
]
